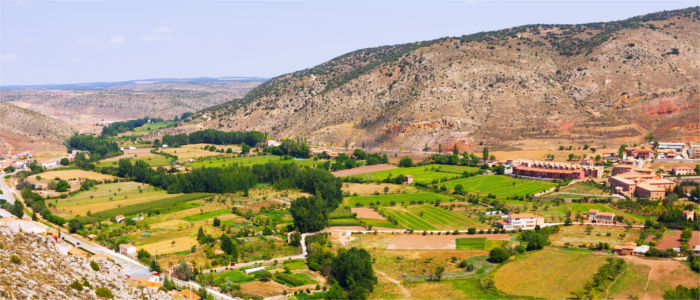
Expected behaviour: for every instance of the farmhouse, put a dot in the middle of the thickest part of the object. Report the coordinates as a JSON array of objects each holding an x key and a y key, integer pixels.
[
  {"x": 696, "y": 250},
  {"x": 119, "y": 218},
  {"x": 694, "y": 152},
  {"x": 523, "y": 221},
  {"x": 601, "y": 217},
  {"x": 621, "y": 169},
  {"x": 625, "y": 249},
  {"x": 128, "y": 250},
  {"x": 409, "y": 179},
  {"x": 682, "y": 170},
  {"x": 272, "y": 143},
  {"x": 689, "y": 215}
]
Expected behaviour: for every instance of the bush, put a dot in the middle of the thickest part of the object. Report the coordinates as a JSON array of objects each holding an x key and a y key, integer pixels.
[
  {"x": 498, "y": 255},
  {"x": 94, "y": 266},
  {"x": 15, "y": 260},
  {"x": 76, "y": 285},
  {"x": 262, "y": 275},
  {"x": 104, "y": 293}
]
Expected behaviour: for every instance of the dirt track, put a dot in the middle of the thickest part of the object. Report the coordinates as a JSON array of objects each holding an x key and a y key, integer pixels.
[{"x": 362, "y": 170}]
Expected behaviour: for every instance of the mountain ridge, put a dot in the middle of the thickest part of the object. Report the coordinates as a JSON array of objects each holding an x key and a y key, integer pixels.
[{"x": 619, "y": 81}]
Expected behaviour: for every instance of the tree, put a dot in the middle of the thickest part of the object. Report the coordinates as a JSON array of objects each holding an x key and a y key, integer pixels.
[
  {"x": 353, "y": 270},
  {"x": 143, "y": 256},
  {"x": 500, "y": 169},
  {"x": 498, "y": 255},
  {"x": 216, "y": 222},
  {"x": 534, "y": 239},
  {"x": 245, "y": 149},
  {"x": 309, "y": 214},
  {"x": 154, "y": 265},
  {"x": 201, "y": 237},
  {"x": 438, "y": 273},
  {"x": 687, "y": 233},
  {"x": 183, "y": 271},
  {"x": 65, "y": 161},
  {"x": 168, "y": 284},
  {"x": 682, "y": 292},
  {"x": 335, "y": 292},
  {"x": 459, "y": 189},
  {"x": 485, "y": 153},
  {"x": 229, "y": 247},
  {"x": 295, "y": 239},
  {"x": 440, "y": 148},
  {"x": 455, "y": 151},
  {"x": 9, "y": 169},
  {"x": 406, "y": 162}
]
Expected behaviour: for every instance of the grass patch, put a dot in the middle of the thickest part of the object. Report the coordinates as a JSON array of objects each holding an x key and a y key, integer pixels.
[
  {"x": 500, "y": 186},
  {"x": 426, "y": 217},
  {"x": 398, "y": 199},
  {"x": 547, "y": 273},
  {"x": 295, "y": 264},
  {"x": 220, "y": 161},
  {"x": 379, "y": 223},
  {"x": 344, "y": 222},
  {"x": 471, "y": 243},
  {"x": 234, "y": 276},
  {"x": 206, "y": 215},
  {"x": 158, "y": 206},
  {"x": 422, "y": 174},
  {"x": 294, "y": 279}
]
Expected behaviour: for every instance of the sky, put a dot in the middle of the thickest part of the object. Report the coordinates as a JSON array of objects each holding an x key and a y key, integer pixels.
[{"x": 49, "y": 42}]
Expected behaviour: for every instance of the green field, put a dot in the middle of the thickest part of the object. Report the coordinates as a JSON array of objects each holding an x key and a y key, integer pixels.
[
  {"x": 109, "y": 196},
  {"x": 501, "y": 186},
  {"x": 548, "y": 273},
  {"x": 153, "y": 126},
  {"x": 452, "y": 169},
  {"x": 421, "y": 175},
  {"x": 344, "y": 222},
  {"x": 398, "y": 199},
  {"x": 427, "y": 217},
  {"x": 206, "y": 215},
  {"x": 295, "y": 264},
  {"x": 480, "y": 243},
  {"x": 294, "y": 279},
  {"x": 379, "y": 223},
  {"x": 233, "y": 276},
  {"x": 160, "y": 206},
  {"x": 221, "y": 161},
  {"x": 153, "y": 161}
]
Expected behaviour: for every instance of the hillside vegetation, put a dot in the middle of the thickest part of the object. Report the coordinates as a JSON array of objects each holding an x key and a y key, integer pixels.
[
  {"x": 22, "y": 129},
  {"x": 521, "y": 87}
]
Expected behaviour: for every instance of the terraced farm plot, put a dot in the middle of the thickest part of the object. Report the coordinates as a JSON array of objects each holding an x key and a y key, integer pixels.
[
  {"x": 452, "y": 169},
  {"x": 179, "y": 202},
  {"x": 48, "y": 176},
  {"x": 108, "y": 196},
  {"x": 557, "y": 213},
  {"x": 426, "y": 217},
  {"x": 234, "y": 276},
  {"x": 376, "y": 223},
  {"x": 501, "y": 186},
  {"x": 398, "y": 199},
  {"x": 421, "y": 175},
  {"x": 480, "y": 243},
  {"x": 154, "y": 160},
  {"x": 548, "y": 273},
  {"x": 220, "y": 161}
]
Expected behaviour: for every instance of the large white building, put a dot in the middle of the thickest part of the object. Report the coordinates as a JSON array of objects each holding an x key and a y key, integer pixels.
[{"x": 525, "y": 221}]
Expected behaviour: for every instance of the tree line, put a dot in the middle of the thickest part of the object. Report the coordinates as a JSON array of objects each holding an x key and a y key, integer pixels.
[
  {"x": 99, "y": 147},
  {"x": 211, "y": 136},
  {"x": 119, "y": 127}
]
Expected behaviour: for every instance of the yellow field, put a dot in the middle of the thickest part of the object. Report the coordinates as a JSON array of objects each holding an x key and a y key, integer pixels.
[
  {"x": 108, "y": 196},
  {"x": 371, "y": 188},
  {"x": 576, "y": 235},
  {"x": 137, "y": 153},
  {"x": 167, "y": 246},
  {"x": 548, "y": 273},
  {"x": 195, "y": 150},
  {"x": 68, "y": 175}
]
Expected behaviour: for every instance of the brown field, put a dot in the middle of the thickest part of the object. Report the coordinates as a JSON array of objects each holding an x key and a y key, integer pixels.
[
  {"x": 195, "y": 150},
  {"x": 362, "y": 170},
  {"x": 663, "y": 274},
  {"x": 399, "y": 263},
  {"x": 264, "y": 289},
  {"x": 576, "y": 235},
  {"x": 430, "y": 242},
  {"x": 372, "y": 188},
  {"x": 166, "y": 246},
  {"x": 673, "y": 240},
  {"x": 136, "y": 153},
  {"x": 367, "y": 213}
]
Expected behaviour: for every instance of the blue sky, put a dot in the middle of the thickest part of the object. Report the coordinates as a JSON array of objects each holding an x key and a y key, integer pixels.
[{"x": 85, "y": 41}]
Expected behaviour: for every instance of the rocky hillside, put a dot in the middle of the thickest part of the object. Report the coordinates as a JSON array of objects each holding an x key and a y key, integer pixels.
[
  {"x": 22, "y": 129},
  {"x": 526, "y": 87},
  {"x": 128, "y": 101},
  {"x": 39, "y": 271}
]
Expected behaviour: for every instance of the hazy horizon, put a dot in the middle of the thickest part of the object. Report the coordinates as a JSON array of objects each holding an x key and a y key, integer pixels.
[{"x": 106, "y": 41}]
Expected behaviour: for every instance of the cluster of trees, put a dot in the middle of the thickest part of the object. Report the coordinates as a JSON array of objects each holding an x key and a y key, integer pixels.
[
  {"x": 674, "y": 218},
  {"x": 294, "y": 148},
  {"x": 99, "y": 147},
  {"x": 119, "y": 127},
  {"x": 16, "y": 209},
  {"x": 36, "y": 202},
  {"x": 370, "y": 158},
  {"x": 59, "y": 185},
  {"x": 217, "y": 137},
  {"x": 343, "y": 161},
  {"x": 350, "y": 270},
  {"x": 682, "y": 292}
]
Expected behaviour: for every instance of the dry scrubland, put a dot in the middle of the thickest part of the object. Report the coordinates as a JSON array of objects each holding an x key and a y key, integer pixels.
[{"x": 49, "y": 176}]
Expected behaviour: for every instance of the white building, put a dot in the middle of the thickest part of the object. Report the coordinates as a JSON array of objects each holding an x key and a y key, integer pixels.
[
  {"x": 674, "y": 146},
  {"x": 128, "y": 250},
  {"x": 523, "y": 221},
  {"x": 253, "y": 270},
  {"x": 272, "y": 143}
]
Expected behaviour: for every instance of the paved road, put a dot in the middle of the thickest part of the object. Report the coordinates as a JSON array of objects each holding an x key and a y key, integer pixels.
[{"x": 6, "y": 191}]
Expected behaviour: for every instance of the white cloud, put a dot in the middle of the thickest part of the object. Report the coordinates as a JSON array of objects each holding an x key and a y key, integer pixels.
[
  {"x": 117, "y": 40},
  {"x": 8, "y": 57},
  {"x": 88, "y": 42},
  {"x": 160, "y": 33}
]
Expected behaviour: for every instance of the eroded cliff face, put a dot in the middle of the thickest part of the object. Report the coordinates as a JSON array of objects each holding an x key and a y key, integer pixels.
[{"x": 616, "y": 81}]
